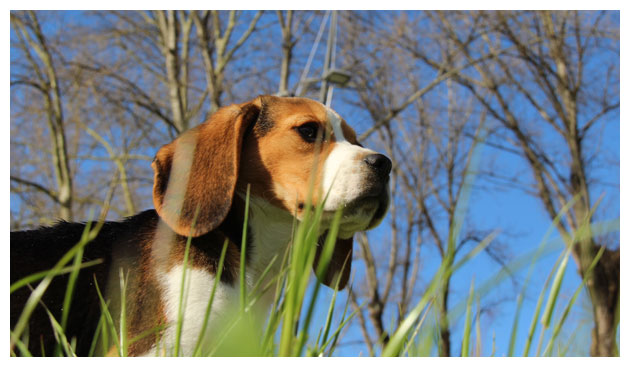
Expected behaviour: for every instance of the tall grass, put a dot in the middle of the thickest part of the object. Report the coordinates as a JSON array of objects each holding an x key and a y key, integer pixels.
[{"x": 288, "y": 329}]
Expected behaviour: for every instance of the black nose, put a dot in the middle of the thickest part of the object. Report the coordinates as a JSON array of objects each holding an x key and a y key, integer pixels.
[{"x": 380, "y": 163}]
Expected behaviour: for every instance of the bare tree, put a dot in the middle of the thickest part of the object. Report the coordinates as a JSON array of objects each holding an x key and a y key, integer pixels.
[
  {"x": 546, "y": 68},
  {"x": 155, "y": 66},
  {"x": 214, "y": 41},
  {"x": 44, "y": 80}
]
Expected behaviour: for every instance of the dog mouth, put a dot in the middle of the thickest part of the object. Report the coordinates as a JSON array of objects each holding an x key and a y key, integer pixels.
[
  {"x": 364, "y": 212},
  {"x": 373, "y": 198}
]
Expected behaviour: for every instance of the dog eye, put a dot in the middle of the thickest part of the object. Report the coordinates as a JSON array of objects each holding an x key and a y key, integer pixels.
[{"x": 308, "y": 131}]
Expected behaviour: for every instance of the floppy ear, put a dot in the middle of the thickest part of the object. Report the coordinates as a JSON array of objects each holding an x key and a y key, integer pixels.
[
  {"x": 195, "y": 175},
  {"x": 339, "y": 265}
]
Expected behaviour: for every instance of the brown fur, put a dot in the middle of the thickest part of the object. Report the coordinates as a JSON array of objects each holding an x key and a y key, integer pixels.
[{"x": 205, "y": 162}]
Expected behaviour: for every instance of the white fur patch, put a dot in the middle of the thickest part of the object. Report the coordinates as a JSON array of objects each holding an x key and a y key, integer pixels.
[
  {"x": 197, "y": 290},
  {"x": 271, "y": 232},
  {"x": 335, "y": 122}
]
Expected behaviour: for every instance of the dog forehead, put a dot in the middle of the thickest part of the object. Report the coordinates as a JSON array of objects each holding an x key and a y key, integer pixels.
[
  {"x": 294, "y": 106},
  {"x": 292, "y": 111},
  {"x": 341, "y": 130}
]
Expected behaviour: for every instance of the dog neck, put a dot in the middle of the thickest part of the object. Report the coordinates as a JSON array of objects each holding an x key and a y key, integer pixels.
[{"x": 271, "y": 230}]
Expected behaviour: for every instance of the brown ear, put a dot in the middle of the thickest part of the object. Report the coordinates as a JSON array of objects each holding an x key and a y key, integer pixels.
[
  {"x": 195, "y": 175},
  {"x": 339, "y": 265}
]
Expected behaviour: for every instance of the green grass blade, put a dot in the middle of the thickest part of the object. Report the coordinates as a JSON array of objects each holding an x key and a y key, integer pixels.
[
  {"x": 74, "y": 274},
  {"x": 206, "y": 317},
  {"x": 146, "y": 333},
  {"x": 124, "y": 344},
  {"x": 540, "y": 341},
  {"x": 534, "y": 323},
  {"x": 243, "y": 248},
  {"x": 478, "y": 329},
  {"x": 322, "y": 266},
  {"x": 184, "y": 287},
  {"x": 577, "y": 331},
  {"x": 332, "y": 342},
  {"x": 297, "y": 281},
  {"x": 258, "y": 288},
  {"x": 62, "y": 342},
  {"x": 183, "y": 295},
  {"x": 475, "y": 251},
  {"x": 329, "y": 245},
  {"x": 104, "y": 335},
  {"x": 94, "y": 342},
  {"x": 42, "y": 274},
  {"x": 108, "y": 319},
  {"x": 60, "y": 335},
  {"x": 21, "y": 346},
  {"x": 555, "y": 289},
  {"x": 568, "y": 307},
  {"x": 468, "y": 321},
  {"x": 417, "y": 329},
  {"x": 329, "y": 316},
  {"x": 278, "y": 303}
]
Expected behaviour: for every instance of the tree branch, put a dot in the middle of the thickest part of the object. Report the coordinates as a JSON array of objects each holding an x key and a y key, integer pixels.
[{"x": 51, "y": 194}]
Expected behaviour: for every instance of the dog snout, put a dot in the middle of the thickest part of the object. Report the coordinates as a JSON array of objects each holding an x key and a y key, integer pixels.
[{"x": 380, "y": 164}]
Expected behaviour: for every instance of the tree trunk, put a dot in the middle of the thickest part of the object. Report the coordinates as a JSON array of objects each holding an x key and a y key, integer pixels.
[
  {"x": 375, "y": 310},
  {"x": 603, "y": 287},
  {"x": 168, "y": 25},
  {"x": 54, "y": 110},
  {"x": 287, "y": 51}
]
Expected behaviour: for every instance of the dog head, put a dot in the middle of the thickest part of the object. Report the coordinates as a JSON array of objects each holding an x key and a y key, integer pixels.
[{"x": 291, "y": 151}]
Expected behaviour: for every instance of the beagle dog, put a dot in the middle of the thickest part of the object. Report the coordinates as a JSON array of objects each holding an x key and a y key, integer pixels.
[{"x": 289, "y": 151}]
